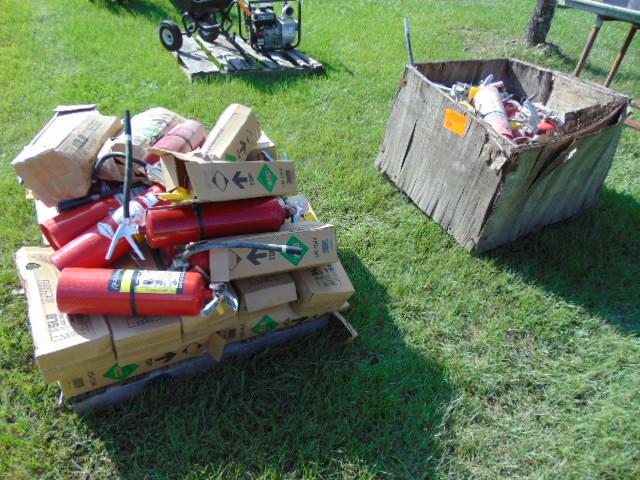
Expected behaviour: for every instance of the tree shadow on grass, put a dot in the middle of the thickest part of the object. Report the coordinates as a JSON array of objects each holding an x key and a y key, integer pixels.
[
  {"x": 316, "y": 407},
  {"x": 592, "y": 260}
]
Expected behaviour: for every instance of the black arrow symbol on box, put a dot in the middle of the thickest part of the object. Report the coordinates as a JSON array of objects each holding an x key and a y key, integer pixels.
[
  {"x": 166, "y": 357},
  {"x": 238, "y": 180},
  {"x": 254, "y": 257}
]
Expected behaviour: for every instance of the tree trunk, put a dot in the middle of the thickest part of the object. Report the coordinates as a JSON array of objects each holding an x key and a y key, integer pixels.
[{"x": 540, "y": 22}]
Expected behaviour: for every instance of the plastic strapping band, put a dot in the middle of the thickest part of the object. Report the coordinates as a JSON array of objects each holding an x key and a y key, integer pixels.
[
  {"x": 198, "y": 211},
  {"x": 132, "y": 292}
]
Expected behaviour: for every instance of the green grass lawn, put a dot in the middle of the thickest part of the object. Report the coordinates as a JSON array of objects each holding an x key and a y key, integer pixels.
[{"x": 523, "y": 363}]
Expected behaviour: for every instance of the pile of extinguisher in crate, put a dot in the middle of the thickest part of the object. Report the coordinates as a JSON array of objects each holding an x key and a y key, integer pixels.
[
  {"x": 154, "y": 218},
  {"x": 522, "y": 121}
]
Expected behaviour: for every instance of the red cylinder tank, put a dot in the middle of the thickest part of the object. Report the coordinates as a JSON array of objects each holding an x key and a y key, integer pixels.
[
  {"x": 184, "y": 137},
  {"x": 131, "y": 292},
  {"x": 178, "y": 225},
  {"x": 66, "y": 226},
  {"x": 89, "y": 249}
]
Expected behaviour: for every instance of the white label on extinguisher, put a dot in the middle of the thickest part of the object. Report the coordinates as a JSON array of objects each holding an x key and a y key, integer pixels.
[
  {"x": 150, "y": 199},
  {"x": 147, "y": 281},
  {"x": 136, "y": 213}
]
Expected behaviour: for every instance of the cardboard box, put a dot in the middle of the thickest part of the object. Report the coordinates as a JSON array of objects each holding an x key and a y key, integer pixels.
[
  {"x": 61, "y": 341},
  {"x": 219, "y": 181},
  {"x": 318, "y": 309},
  {"x": 317, "y": 240},
  {"x": 481, "y": 187},
  {"x": 95, "y": 375},
  {"x": 134, "y": 337},
  {"x": 263, "y": 143},
  {"x": 198, "y": 326},
  {"x": 233, "y": 137},
  {"x": 249, "y": 325},
  {"x": 259, "y": 293},
  {"x": 58, "y": 163},
  {"x": 325, "y": 284}
]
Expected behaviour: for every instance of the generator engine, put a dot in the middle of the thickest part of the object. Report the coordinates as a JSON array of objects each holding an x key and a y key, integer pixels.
[{"x": 269, "y": 30}]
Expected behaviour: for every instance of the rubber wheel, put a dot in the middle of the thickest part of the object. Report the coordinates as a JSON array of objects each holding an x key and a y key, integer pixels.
[
  {"x": 170, "y": 35},
  {"x": 210, "y": 35}
]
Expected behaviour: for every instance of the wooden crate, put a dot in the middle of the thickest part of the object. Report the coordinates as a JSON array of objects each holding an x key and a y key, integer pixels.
[
  {"x": 479, "y": 186},
  {"x": 233, "y": 56}
]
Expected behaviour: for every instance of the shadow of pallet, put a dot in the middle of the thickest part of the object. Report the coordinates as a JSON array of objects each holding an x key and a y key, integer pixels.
[{"x": 229, "y": 56}]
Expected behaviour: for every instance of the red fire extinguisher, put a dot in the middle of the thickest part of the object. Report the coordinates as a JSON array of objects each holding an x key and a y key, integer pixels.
[
  {"x": 184, "y": 137},
  {"x": 78, "y": 215},
  {"x": 66, "y": 226},
  {"x": 89, "y": 249},
  {"x": 178, "y": 225},
  {"x": 131, "y": 292},
  {"x": 488, "y": 103},
  {"x": 200, "y": 263}
]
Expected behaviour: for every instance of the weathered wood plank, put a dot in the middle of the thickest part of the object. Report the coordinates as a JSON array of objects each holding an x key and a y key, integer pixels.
[
  {"x": 454, "y": 190},
  {"x": 232, "y": 56},
  {"x": 227, "y": 55},
  {"x": 195, "y": 60},
  {"x": 307, "y": 59},
  {"x": 234, "y": 47},
  {"x": 289, "y": 55},
  {"x": 537, "y": 195},
  {"x": 281, "y": 60},
  {"x": 635, "y": 124},
  {"x": 262, "y": 59}
]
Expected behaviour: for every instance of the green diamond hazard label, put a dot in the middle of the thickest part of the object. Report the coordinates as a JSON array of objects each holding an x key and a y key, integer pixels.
[
  {"x": 120, "y": 373},
  {"x": 267, "y": 178},
  {"x": 293, "y": 258},
  {"x": 265, "y": 325}
]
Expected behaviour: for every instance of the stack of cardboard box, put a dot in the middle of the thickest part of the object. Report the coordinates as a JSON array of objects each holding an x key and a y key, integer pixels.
[{"x": 275, "y": 290}]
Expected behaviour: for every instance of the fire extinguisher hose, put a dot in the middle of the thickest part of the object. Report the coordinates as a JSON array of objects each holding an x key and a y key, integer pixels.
[
  {"x": 117, "y": 155},
  {"x": 212, "y": 244},
  {"x": 78, "y": 202}
]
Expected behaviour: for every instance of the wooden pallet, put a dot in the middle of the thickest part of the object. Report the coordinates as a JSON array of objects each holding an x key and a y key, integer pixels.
[{"x": 233, "y": 56}]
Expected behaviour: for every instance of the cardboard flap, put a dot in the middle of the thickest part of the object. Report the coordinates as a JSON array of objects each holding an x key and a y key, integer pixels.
[
  {"x": 185, "y": 157},
  {"x": 233, "y": 136},
  {"x": 67, "y": 146}
]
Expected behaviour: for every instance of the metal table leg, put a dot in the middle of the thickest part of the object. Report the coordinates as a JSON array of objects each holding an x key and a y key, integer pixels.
[
  {"x": 621, "y": 55},
  {"x": 588, "y": 46}
]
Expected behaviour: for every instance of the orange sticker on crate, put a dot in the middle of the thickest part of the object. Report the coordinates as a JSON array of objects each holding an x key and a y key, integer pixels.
[{"x": 456, "y": 122}]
